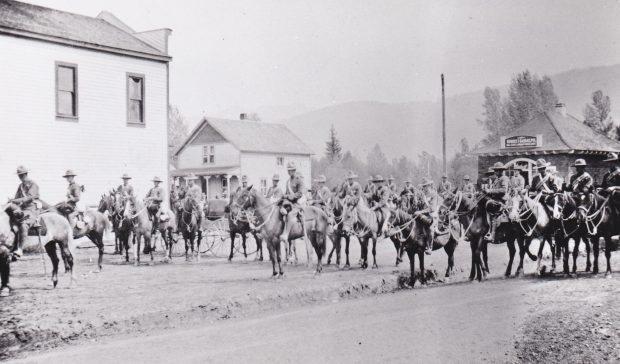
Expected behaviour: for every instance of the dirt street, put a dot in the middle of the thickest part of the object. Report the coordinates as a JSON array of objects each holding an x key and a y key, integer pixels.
[{"x": 218, "y": 311}]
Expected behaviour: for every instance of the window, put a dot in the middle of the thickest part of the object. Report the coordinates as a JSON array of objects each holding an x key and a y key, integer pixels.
[
  {"x": 224, "y": 188},
  {"x": 66, "y": 90},
  {"x": 263, "y": 186},
  {"x": 208, "y": 154},
  {"x": 280, "y": 161},
  {"x": 135, "y": 98}
]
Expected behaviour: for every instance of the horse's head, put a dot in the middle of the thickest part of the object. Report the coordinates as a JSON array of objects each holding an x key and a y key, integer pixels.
[
  {"x": 245, "y": 199},
  {"x": 584, "y": 203},
  {"x": 129, "y": 207},
  {"x": 515, "y": 201},
  {"x": 13, "y": 211},
  {"x": 349, "y": 213}
]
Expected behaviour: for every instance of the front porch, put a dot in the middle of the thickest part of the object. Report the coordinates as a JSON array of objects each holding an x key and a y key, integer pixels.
[{"x": 216, "y": 183}]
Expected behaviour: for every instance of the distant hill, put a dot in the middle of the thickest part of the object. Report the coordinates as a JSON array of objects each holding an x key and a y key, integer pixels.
[{"x": 410, "y": 128}]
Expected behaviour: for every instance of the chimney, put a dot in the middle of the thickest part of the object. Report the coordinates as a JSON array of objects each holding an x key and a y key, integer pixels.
[
  {"x": 243, "y": 116},
  {"x": 560, "y": 108}
]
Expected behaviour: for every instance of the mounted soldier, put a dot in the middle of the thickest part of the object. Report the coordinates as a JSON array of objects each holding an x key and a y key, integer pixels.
[
  {"x": 486, "y": 182},
  {"x": 294, "y": 197},
  {"x": 69, "y": 208},
  {"x": 153, "y": 200},
  {"x": 27, "y": 198},
  {"x": 497, "y": 190},
  {"x": 322, "y": 194},
  {"x": 369, "y": 188},
  {"x": 380, "y": 201},
  {"x": 125, "y": 189},
  {"x": 430, "y": 210},
  {"x": 351, "y": 188},
  {"x": 517, "y": 182},
  {"x": 408, "y": 188},
  {"x": 274, "y": 193},
  {"x": 390, "y": 185},
  {"x": 611, "y": 179},
  {"x": 445, "y": 187},
  {"x": 543, "y": 182},
  {"x": 194, "y": 193},
  {"x": 581, "y": 181},
  {"x": 244, "y": 184},
  {"x": 468, "y": 187}
]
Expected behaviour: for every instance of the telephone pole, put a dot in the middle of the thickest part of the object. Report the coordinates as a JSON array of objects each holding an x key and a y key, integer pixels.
[{"x": 443, "y": 123}]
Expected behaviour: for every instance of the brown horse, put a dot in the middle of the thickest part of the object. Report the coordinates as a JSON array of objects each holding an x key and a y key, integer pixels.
[
  {"x": 115, "y": 215},
  {"x": 269, "y": 223},
  {"x": 314, "y": 229},
  {"x": 55, "y": 231},
  {"x": 164, "y": 229},
  {"x": 364, "y": 223},
  {"x": 189, "y": 215},
  {"x": 239, "y": 224},
  {"x": 6, "y": 243},
  {"x": 337, "y": 207},
  {"x": 136, "y": 215}
]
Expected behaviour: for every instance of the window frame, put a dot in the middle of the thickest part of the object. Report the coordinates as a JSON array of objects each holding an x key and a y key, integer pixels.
[
  {"x": 209, "y": 155},
  {"x": 74, "y": 66},
  {"x": 128, "y": 76},
  {"x": 263, "y": 186},
  {"x": 279, "y": 161}
]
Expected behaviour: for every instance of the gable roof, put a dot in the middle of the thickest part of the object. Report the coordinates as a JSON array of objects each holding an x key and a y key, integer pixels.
[
  {"x": 559, "y": 134},
  {"x": 252, "y": 136},
  {"x": 57, "y": 26}
]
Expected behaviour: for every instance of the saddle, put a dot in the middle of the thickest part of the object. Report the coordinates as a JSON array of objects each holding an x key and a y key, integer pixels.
[{"x": 39, "y": 227}]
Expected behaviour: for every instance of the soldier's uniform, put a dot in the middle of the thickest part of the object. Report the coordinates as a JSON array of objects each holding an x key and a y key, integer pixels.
[
  {"x": 295, "y": 189},
  {"x": 517, "y": 182},
  {"x": 125, "y": 190},
  {"x": 468, "y": 187},
  {"x": 351, "y": 188},
  {"x": 611, "y": 178},
  {"x": 582, "y": 181},
  {"x": 26, "y": 197},
  {"x": 274, "y": 193},
  {"x": 194, "y": 193},
  {"x": 321, "y": 195},
  {"x": 68, "y": 207},
  {"x": 155, "y": 197},
  {"x": 407, "y": 189},
  {"x": 369, "y": 188},
  {"x": 380, "y": 200},
  {"x": 445, "y": 188},
  {"x": 498, "y": 190},
  {"x": 430, "y": 209}
]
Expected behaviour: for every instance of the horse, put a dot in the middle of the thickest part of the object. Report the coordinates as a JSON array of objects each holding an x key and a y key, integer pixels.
[
  {"x": 315, "y": 224},
  {"x": 189, "y": 215},
  {"x": 599, "y": 216},
  {"x": 337, "y": 207},
  {"x": 55, "y": 231},
  {"x": 269, "y": 223},
  {"x": 239, "y": 224},
  {"x": 362, "y": 221},
  {"x": 136, "y": 215},
  {"x": 108, "y": 203},
  {"x": 6, "y": 243},
  {"x": 165, "y": 228}
]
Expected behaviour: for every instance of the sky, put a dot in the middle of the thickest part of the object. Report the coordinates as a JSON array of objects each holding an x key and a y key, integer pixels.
[{"x": 291, "y": 56}]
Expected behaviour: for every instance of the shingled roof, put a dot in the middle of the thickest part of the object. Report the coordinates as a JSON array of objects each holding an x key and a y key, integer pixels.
[
  {"x": 560, "y": 134},
  {"x": 252, "y": 136},
  {"x": 33, "y": 21}
]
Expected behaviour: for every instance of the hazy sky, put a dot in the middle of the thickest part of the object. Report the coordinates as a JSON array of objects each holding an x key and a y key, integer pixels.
[{"x": 248, "y": 55}]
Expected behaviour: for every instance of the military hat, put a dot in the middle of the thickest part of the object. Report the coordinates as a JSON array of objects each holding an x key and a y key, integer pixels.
[
  {"x": 541, "y": 163},
  {"x": 498, "y": 166},
  {"x": 321, "y": 178},
  {"x": 125, "y": 176},
  {"x": 378, "y": 178},
  {"x": 445, "y": 175},
  {"x": 275, "y": 177},
  {"x": 191, "y": 176},
  {"x": 157, "y": 179},
  {"x": 291, "y": 166},
  {"x": 580, "y": 163},
  {"x": 22, "y": 170},
  {"x": 466, "y": 177},
  {"x": 427, "y": 181},
  {"x": 390, "y": 178},
  {"x": 68, "y": 173},
  {"x": 408, "y": 180},
  {"x": 351, "y": 174},
  {"x": 490, "y": 171},
  {"x": 611, "y": 157},
  {"x": 244, "y": 178},
  {"x": 552, "y": 169}
]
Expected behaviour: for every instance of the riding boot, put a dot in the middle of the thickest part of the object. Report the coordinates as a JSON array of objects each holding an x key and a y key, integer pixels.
[
  {"x": 23, "y": 234},
  {"x": 429, "y": 244},
  {"x": 490, "y": 236}
]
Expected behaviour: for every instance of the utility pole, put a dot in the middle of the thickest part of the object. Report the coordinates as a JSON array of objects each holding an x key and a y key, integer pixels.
[{"x": 443, "y": 123}]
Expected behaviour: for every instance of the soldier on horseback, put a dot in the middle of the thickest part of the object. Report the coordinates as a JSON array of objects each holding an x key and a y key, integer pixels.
[
  {"x": 194, "y": 193},
  {"x": 380, "y": 200},
  {"x": 581, "y": 181},
  {"x": 294, "y": 196},
  {"x": 27, "y": 198},
  {"x": 125, "y": 189},
  {"x": 408, "y": 188},
  {"x": 543, "y": 182},
  {"x": 153, "y": 200},
  {"x": 369, "y": 188},
  {"x": 611, "y": 179},
  {"x": 517, "y": 182},
  {"x": 430, "y": 210},
  {"x": 391, "y": 186},
  {"x": 445, "y": 187},
  {"x": 468, "y": 187},
  {"x": 274, "y": 193},
  {"x": 244, "y": 184},
  {"x": 351, "y": 188},
  {"x": 68, "y": 207},
  {"x": 498, "y": 188},
  {"x": 322, "y": 194}
]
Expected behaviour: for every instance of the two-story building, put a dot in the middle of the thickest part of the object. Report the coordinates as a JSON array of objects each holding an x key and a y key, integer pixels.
[
  {"x": 221, "y": 151},
  {"x": 82, "y": 93}
]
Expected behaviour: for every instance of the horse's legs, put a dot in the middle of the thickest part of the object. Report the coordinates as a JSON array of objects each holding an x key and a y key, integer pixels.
[
  {"x": 422, "y": 269},
  {"x": 259, "y": 248},
  {"x": 565, "y": 258},
  {"x": 472, "y": 273},
  {"x": 5, "y": 266},
  {"x": 586, "y": 240},
  {"x": 511, "y": 256},
  {"x": 271, "y": 246},
  {"x": 233, "y": 234},
  {"x": 198, "y": 235},
  {"x": 364, "y": 242},
  {"x": 485, "y": 258},
  {"x": 411, "y": 254},
  {"x": 522, "y": 248},
  {"x": 576, "y": 253},
  {"x": 136, "y": 249},
  {"x": 99, "y": 244},
  {"x": 608, "y": 256},
  {"x": 449, "y": 249},
  {"x": 50, "y": 248},
  {"x": 278, "y": 250},
  {"x": 595, "y": 248},
  {"x": 479, "y": 268},
  {"x": 347, "y": 240},
  {"x": 540, "y": 254},
  {"x": 186, "y": 241},
  {"x": 243, "y": 239},
  {"x": 552, "y": 246},
  {"x": 397, "y": 246},
  {"x": 374, "y": 253}
]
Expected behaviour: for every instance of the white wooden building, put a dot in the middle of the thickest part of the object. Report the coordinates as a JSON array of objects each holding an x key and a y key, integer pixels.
[
  {"x": 84, "y": 93},
  {"x": 221, "y": 151}
]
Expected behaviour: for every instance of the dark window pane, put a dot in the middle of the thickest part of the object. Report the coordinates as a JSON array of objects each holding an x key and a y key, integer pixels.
[
  {"x": 135, "y": 88},
  {"x": 211, "y": 159},
  {"x": 66, "y": 78},
  {"x": 65, "y": 103}
]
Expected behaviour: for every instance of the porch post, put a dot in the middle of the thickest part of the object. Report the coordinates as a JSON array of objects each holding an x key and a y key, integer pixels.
[
  {"x": 207, "y": 192},
  {"x": 228, "y": 186}
]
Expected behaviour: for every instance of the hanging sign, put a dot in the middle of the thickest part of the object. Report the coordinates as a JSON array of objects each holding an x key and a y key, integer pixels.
[{"x": 521, "y": 141}]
